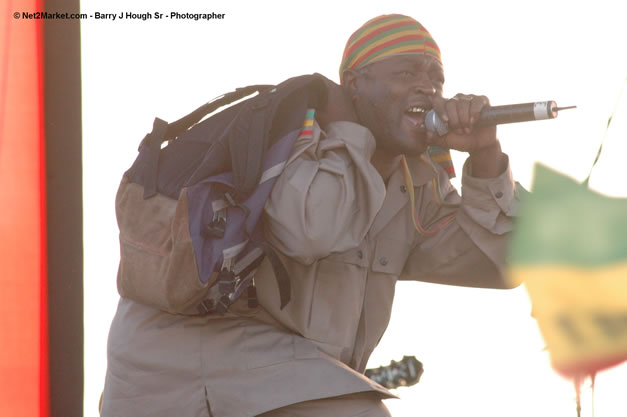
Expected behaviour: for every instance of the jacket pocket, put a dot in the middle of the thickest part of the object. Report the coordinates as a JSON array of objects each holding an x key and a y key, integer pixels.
[
  {"x": 390, "y": 256},
  {"x": 337, "y": 302}
]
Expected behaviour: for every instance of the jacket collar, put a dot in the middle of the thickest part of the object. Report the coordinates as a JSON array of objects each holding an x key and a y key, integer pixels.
[{"x": 396, "y": 196}]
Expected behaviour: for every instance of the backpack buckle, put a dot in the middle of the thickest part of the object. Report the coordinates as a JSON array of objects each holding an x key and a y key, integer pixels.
[
  {"x": 206, "y": 306},
  {"x": 226, "y": 282},
  {"x": 217, "y": 227}
]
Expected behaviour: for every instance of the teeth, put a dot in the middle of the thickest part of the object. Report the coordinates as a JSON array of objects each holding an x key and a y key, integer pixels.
[{"x": 415, "y": 110}]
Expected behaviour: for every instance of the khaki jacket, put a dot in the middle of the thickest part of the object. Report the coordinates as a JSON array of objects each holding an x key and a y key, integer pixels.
[{"x": 345, "y": 238}]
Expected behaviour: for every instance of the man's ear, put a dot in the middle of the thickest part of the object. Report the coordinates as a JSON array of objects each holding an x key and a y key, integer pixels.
[{"x": 349, "y": 81}]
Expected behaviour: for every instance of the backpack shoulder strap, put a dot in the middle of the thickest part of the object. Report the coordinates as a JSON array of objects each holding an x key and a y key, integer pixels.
[
  {"x": 184, "y": 123},
  {"x": 163, "y": 131},
  {"x": 266, "y": 119}
]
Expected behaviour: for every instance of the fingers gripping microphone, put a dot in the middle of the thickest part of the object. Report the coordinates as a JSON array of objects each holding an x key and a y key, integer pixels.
[{"x": 498, "y": 115}]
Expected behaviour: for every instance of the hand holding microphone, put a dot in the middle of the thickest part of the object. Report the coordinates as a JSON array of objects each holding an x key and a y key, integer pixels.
[
  {"x": 496, "y": 115},
  {"x": 468, "y": 125}
]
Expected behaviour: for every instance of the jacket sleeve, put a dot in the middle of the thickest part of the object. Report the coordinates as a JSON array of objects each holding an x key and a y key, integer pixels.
[
  {"x": 471, "y": 250},
  {"x": 327, "y": 196}
]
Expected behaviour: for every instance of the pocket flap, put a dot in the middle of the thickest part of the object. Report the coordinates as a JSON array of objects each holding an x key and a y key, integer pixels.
[
  {"x": 357, "y": 256},
  {"x": 390, "y": 256}
]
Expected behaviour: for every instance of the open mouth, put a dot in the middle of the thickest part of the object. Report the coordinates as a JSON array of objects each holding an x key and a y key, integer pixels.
[{"x": 416, "y": 115}]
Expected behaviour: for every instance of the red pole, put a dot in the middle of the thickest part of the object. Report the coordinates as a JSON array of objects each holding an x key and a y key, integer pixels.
[{"x": 24, "y": 375}]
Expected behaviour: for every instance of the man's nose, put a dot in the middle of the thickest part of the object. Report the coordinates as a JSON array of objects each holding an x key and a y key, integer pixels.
[{"x": 424, "y": 86}]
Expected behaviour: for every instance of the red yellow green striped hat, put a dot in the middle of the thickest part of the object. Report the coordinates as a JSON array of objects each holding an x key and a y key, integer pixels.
[{"x": 386, "y": 36}]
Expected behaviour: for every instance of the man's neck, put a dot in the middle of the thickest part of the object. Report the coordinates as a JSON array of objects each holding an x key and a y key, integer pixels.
[{"x": 385, "y": 163}]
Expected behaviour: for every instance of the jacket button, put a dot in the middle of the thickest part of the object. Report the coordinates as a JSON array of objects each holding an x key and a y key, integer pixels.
[
  {"x": 403, "y": 189},
  {"x": 383, "y": 260},
  {"x": 360, "y": 254},
  {"x": 498, "y": 194}
]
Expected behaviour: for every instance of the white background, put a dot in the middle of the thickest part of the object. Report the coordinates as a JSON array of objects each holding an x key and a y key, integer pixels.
[{"x": 482, "y": 351}]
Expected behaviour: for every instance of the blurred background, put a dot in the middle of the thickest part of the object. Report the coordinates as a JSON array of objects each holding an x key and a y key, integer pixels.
[{"x": 481, "y": 349}]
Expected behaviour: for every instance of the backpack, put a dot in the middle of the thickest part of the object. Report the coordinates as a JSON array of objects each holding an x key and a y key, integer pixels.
[{"x": 189, "y": 212}]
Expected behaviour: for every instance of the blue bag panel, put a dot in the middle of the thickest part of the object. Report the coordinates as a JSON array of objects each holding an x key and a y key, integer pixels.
[
  {"x": 232, "y": 140},
  {"x": 181, "y": 157},
  {"x": 209, "y": 250}
]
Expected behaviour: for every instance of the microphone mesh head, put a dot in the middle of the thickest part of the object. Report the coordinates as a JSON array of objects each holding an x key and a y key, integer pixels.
[{"x": 434, "y": 124}]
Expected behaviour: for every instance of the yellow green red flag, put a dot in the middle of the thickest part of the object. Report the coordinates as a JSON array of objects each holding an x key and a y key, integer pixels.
[{"x": 570, "y": 250}]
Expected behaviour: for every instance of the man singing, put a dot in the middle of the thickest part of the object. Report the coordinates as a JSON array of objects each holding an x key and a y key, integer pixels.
[{"x": 363, "y": 202}]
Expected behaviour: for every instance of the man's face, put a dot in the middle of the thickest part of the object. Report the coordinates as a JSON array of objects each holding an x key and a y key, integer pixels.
[{"x": 391, "y": 98}]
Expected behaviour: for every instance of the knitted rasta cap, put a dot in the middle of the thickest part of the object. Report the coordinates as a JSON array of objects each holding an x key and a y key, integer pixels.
[{"x": 386, "y": 36}]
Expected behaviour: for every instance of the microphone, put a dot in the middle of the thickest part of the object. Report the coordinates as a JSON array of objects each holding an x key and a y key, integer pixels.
[{"x": 498, "y": 115}]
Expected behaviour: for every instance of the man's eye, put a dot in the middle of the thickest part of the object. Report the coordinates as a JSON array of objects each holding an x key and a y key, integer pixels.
[
  {"x": 406, "y": 73},
  {"x": 436, "y": 79}
]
